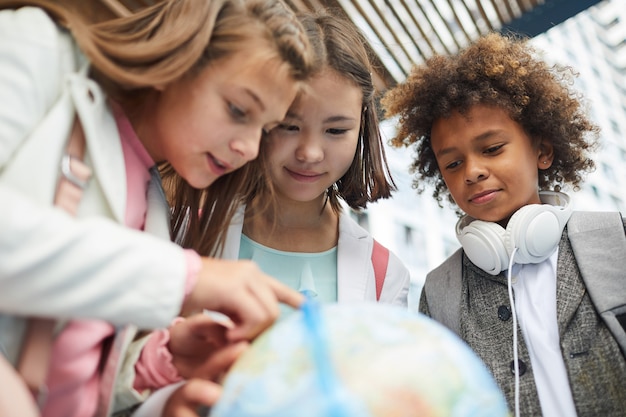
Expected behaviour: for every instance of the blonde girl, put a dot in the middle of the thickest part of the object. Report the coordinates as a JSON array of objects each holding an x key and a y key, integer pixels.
[{"x": 186, "y": 85}]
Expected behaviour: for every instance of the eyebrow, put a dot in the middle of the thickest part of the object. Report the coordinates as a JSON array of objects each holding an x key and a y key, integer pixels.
[
  {"x": 292, "y": 115},
  {"x": 339, "y": 119},
  {"x": 480, "y": 138}
]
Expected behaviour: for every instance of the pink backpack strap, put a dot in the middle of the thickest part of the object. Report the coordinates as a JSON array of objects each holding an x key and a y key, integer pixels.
[
  {"x": 380, "y": 260},
  {"x": 36, "y": 351}
]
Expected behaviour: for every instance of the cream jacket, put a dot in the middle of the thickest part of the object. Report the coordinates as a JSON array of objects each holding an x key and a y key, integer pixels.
[{"x": 51, "y": 264}]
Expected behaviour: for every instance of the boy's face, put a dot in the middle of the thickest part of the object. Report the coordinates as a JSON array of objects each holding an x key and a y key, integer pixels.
[{"x": 488, "y": 162}]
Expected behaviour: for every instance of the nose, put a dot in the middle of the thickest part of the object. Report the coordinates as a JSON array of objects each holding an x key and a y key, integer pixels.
[
  {"x": 310, "y": 149},
  {"x": 247, "y": 144},
  {"x": 475, "y": 171}
]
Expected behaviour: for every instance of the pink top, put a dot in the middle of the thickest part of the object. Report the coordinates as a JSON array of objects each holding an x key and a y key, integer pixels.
[{"x": 74, "y": 375}]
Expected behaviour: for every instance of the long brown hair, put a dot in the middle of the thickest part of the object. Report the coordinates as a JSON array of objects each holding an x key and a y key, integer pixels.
[
  {"x": 339, "y": 45},
  {"x": 160, "y": 44},
  {"x": 154, "y": 46}
]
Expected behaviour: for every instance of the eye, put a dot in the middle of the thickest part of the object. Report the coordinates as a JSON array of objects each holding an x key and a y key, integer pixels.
[
  {"x": 493, "y": 149},
  {"x": 453, "y": 164},
  {"x": 236, "y": 112},
  {"x": 288, "y": 127},
  {"x": 337, "y": 131}
]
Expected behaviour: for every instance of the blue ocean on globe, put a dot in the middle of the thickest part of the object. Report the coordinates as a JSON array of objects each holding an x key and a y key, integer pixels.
[{"x": 359, "y": 360}]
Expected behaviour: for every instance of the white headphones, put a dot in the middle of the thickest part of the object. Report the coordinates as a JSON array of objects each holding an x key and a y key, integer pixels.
[{"x": 535, "y": 230}]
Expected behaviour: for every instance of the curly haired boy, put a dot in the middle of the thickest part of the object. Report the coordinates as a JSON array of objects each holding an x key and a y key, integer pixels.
[{"x": 498, "y": 133}]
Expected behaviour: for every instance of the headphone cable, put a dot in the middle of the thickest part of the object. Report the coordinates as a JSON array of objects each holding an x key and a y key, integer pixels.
[{"x": 514, "y": 314}]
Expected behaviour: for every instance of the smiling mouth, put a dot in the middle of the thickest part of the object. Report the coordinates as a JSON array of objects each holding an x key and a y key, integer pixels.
[
  {"x": 303, "y": 176},
  {"x": 484, "y": 197}
]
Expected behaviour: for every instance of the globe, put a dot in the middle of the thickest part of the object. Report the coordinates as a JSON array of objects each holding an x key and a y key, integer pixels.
[{"x": 358, "y": 360}]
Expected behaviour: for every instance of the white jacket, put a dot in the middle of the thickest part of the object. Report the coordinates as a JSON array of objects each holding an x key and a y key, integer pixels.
[
  {"x": 51, "y": 264},
  {"x": 355, "y": 272}
]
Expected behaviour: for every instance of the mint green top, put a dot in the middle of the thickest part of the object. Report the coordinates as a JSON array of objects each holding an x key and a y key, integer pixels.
[{"x": 314, "y": 274}]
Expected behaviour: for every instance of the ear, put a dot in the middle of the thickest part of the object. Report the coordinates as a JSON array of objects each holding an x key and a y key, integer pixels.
[{"x": 545, "y": 154}]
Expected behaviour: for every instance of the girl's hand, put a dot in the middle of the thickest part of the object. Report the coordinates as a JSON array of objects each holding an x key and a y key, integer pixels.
[
  {"x": 195, "y": 394},
  {"x": 200, "y": 349},
  {"x": 241, "y": 291}
]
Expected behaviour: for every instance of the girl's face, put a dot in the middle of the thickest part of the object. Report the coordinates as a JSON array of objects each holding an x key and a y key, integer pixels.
[
  {"x": 488, "y": 162},
  {"x": 209, "y": 125},
  {"x": 315, "y": 144}
]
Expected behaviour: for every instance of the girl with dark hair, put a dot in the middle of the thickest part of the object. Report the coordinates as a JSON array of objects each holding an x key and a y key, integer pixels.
[{"x": 327, "y": 150}]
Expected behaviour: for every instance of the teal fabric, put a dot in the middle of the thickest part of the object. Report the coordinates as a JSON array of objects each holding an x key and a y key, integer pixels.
[{"x": 313, "y": 274}]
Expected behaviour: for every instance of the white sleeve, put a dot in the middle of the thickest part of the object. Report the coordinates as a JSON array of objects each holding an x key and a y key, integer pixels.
[
  {"x": 55, "y": 265},
  {"x": 50, "y": 263},
  {"x": 32, "y": 59}
]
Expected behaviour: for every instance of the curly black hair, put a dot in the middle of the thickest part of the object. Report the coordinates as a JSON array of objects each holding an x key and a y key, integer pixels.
[{"x": 503, "y": 71}]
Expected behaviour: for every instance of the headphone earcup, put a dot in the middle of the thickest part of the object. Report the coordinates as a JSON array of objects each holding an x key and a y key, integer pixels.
[
  {"x": 535, "y": 231},
  {"x": 483, "y": 243}
]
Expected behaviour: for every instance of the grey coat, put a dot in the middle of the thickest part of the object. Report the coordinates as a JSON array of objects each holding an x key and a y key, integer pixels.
[{"x": 595, "y": 364}]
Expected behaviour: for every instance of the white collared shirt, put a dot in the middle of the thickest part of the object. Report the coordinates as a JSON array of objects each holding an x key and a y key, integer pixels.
[{"x": 535, "y": 303}]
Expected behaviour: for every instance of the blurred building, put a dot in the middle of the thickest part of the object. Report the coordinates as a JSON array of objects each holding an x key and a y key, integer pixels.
[{"x": 593, "y": 42}]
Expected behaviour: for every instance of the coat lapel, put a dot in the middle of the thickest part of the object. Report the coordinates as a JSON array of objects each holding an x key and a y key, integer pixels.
[
  {"x": 353, "y": 260},
  {"x": 157, "y": 211},
  {"x": 569, "y": 286},
  {"x": 104, "y": 147}
]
